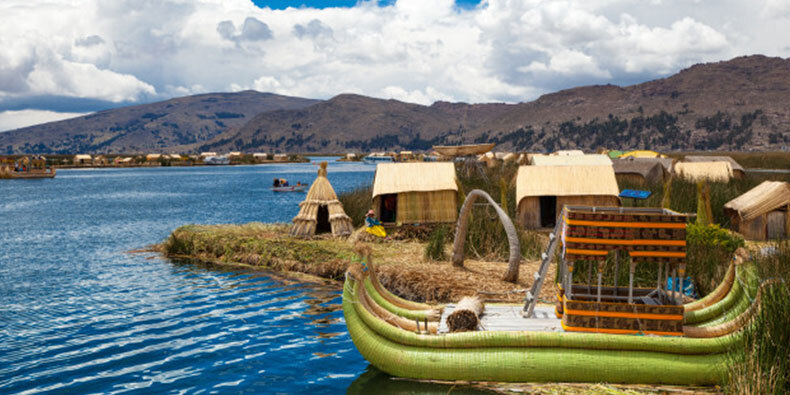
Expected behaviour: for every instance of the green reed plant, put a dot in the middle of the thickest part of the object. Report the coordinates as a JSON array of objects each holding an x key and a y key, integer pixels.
[
  {"x": 762, "y": 366},
  {"x": 434, "y": 249},
  {"x": 356, "y": 203}
]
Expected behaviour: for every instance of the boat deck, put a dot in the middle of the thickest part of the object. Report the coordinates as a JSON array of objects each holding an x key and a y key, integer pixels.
[{"x": 504, "y": 317}]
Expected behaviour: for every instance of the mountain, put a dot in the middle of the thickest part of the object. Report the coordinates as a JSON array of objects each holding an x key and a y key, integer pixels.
[
  {"x": 169, "y": 125},
  {"x": 740, "y": 104}
]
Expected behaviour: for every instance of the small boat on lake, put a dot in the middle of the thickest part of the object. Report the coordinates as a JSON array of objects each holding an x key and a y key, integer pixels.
[
  {"x": 378, "y": 157},
  {"x": 216, "y": 160},
  {"x": 291, "y": 188},
  {"x": 25, "y": 169}
]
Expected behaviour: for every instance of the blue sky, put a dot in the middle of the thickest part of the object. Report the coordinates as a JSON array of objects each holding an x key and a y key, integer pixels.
[{"x": 282, "y": 4}]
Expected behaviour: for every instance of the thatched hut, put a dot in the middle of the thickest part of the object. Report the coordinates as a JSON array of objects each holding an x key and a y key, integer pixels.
[
  {"x": 704, "y": 171},
  {"x": 638, "y": 171},
  {"x": 570, "y": 160},
  {"x": 321, "y": 212},
  {"x": 737, "y": 170},
  {"x": 542, "y": 191},
  {"x": 82, "y": 159},
  {"x": 420, "y": 192},
  {"x": 762, "y": 212}
]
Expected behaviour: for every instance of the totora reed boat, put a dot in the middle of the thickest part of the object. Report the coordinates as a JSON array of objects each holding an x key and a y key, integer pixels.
[{"x": 531, "y": 344}]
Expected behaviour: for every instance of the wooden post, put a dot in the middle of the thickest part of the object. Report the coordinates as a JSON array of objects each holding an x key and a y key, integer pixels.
[
  {"x": 682, "y": 273},
  {"x": 674, "y": 283},
  {"x": 666, "y": 280},
  {"x": 660, "y": 276},
  {"x": 569, "y": 280},
  {"x": 631, "y": 271},
  {"x": 616, "y": 269},
  {"x": 589, "y": 278},
  {"x": 600, "y": 278}
]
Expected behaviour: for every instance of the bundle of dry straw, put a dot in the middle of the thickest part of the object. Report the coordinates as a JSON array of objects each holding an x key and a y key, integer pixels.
[{"x": 466, "y": 315}]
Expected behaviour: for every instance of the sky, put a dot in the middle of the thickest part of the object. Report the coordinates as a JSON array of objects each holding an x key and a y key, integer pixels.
[{"x": 63, "y": 58}]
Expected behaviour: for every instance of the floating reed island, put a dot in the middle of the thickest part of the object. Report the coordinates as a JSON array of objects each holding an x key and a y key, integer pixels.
[{"x": 596, "y": 285}]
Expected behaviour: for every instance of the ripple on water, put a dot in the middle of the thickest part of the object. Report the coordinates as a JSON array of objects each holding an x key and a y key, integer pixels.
[{"x": 79, "y": 315}]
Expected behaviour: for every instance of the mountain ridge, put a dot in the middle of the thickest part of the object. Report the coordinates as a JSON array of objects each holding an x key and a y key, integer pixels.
[{"x": 739, "y": 104}]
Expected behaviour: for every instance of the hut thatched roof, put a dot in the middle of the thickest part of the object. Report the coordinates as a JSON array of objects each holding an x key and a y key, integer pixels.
[
  {"x": 649, "y": 168},
  {"x": 414, "y": 177},
  {"x": 320, "y": 194},
  {"x": 735, "y": 165},
  {"x": 710, "y": 171},
  {"x": 565, "y": 181},
  {"x": 572, "y": 152},
  {"x": 641, "y": 154},
  {"x": 463, "y": 150},
  {"x": 571, "y": 160},
  {"x": 768, "y": 196}
]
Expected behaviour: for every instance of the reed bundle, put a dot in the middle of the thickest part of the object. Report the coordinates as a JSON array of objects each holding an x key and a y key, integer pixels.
[{"x": 466, "y": 316}]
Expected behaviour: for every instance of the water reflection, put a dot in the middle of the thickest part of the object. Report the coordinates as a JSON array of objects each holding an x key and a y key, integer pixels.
[{"x": 374, "y": 381}]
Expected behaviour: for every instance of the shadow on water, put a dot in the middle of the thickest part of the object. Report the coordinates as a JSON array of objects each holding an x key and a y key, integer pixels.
[{"x": 374, "y": 381}]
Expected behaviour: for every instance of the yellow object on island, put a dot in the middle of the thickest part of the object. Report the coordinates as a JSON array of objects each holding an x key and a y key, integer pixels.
[{"x": 376, "y": 230}]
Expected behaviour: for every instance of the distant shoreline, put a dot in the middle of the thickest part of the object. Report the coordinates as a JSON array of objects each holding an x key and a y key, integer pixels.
[{"x": 148, "y": 165}]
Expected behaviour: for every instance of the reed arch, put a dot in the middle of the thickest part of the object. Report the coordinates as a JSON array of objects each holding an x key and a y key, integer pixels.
[{"x": 512, "y": 235}]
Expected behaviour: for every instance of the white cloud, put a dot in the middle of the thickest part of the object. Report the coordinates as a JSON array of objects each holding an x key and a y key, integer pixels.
[
  {"x": 10, "y": 120},
  {"x": 776, "y": 9},
  {"x": 414, "y": 50}
]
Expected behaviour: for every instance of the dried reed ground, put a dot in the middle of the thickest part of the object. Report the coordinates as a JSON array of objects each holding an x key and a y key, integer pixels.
[{"x": 401, "y": 265}]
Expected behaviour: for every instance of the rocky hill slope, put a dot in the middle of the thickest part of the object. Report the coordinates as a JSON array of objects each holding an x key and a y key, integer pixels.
[
  {"x": 155, "y": 127},
  {"x": 741, "y": 104}
]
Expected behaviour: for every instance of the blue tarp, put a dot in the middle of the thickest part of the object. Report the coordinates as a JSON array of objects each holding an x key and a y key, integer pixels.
[
  {"x": 635, "y": 194},
  {"x": 688, "y": 286}
]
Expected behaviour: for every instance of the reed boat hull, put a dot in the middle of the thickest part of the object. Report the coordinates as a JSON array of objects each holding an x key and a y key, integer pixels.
[
  {"x": 542, "y": 356},
  {"x": 300, "y": 188},
  {"x": 26, "y": 175}
]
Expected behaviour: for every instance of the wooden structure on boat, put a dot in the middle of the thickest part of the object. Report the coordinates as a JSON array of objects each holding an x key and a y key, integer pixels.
[
  {"x": 502, "y": 343},
  {"x": 650, "y": 236}
]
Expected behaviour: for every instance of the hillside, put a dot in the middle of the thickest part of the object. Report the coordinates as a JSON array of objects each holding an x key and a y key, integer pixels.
[
  {"x": 740, "y": 104},
  {"x": 157, "y": 127}
]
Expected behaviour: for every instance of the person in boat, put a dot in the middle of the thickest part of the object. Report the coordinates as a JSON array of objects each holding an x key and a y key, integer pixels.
[
  {"x": 374, "y": 226},
  {"x": 283, "y": 182},
  {"x": 276, "y": 182}
]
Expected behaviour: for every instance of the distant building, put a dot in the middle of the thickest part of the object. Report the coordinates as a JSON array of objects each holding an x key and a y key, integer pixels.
[
  {"x": 206, "y": 154},
  {"x": 234, "y": 154},
  {"x": 737, "y": 170},
  {"x": 82, "y": 159},
  {"x": 704, "y": 171},
  {"x": 153, "y": 157},
  {"x": 638, "y": 171},
  {"x": 281, "y": 157},
  {"x": 542, "y": 191},
  {"x": 762, "y": 212},
  {"x": 415, "y": 192},
  {"x": 570, "y": 160}
]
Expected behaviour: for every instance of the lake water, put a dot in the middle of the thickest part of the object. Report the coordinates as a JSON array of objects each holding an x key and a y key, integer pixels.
[{"x": 79, "y": 314}]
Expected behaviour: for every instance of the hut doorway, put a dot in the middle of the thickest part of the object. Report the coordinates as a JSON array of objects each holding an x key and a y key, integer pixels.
[
  {"x": 322, "y": 224},
  {"x": 548, "y": 211},
  {"x": 389, "y": 208},
  {"x": 776, "y": 224}
]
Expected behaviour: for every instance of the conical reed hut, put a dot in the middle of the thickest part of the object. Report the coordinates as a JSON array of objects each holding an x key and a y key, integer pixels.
[{"x": 321, "y": 212}]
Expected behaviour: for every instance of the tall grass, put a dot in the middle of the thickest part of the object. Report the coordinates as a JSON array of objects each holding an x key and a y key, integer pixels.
[
  {"x": 762, "y": 366},
  {"x": 683, "y": 194},
  {"x": 435, "y": 248},
  {"x": 356, "y": 203}
]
